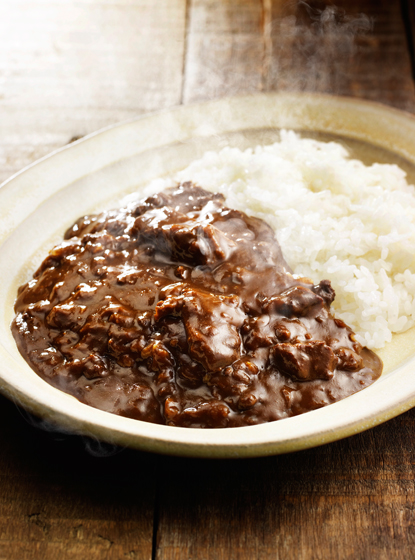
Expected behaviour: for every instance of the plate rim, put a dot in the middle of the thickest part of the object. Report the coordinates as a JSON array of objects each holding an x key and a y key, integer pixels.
[{"x": 216, "y": 447}]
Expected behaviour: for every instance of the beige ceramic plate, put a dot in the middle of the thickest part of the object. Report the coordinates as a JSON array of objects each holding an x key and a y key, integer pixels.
[{"x": 38, "y": 204}]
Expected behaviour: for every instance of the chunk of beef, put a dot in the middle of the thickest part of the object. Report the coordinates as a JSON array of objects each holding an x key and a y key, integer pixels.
[{"x": 304, "y": 361}]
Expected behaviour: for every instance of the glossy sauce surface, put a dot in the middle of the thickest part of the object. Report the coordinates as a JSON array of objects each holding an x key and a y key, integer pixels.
[{"x": 181, "y": 311}]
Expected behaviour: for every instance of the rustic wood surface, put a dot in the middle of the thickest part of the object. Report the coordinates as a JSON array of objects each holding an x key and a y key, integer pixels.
[{"x": 70, "y": 67}]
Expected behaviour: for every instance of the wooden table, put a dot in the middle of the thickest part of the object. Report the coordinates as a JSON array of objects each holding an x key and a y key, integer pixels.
[{"x": 69, "y": 67}]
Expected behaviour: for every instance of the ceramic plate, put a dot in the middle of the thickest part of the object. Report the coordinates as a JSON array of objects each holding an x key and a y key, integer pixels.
[{"x": 39, "y": 203}]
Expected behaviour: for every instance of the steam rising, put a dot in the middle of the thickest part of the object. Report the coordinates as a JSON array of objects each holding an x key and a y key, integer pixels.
[
  {"x": 276, "y": 46},
  {"x": 315, "y": 50}
]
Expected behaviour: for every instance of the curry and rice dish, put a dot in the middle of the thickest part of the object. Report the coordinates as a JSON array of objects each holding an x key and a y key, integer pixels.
[
  {"x": 183, "y": 311},
  {"x": 179, "y": 309}
]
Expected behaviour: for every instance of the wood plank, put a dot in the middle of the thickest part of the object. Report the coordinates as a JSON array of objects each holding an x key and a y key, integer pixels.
[
  {"x": 408, "y": 11},
  {"x": 70, "y": 68},
  {"x": 345, "y": 47},
  {"x": 349, "y": 500},
  {"x": 59, "y": 501},
  {"x": 224, "y": 54}
]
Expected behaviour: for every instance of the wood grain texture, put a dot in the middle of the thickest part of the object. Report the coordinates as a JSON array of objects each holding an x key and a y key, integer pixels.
[
  {"x": 408, "y": 12},
  {"x": 61, "y": 498},
  {"x": 68, "y": 68},
  {"x": 346, "y": 47},
  {"x": 352, "y": 499},
  {"x": 225, "y": 51}
]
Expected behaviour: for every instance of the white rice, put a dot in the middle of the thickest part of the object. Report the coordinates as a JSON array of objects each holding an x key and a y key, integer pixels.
[{"x": 335, "y": 218}]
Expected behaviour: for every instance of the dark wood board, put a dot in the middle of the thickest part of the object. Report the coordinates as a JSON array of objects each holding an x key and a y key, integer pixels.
[
  {"x": 408, "y": 13},
  {"x": 67, "y": 497},
  {"x": 352, "y": 499},
  {"x": 346, "y": 47}
]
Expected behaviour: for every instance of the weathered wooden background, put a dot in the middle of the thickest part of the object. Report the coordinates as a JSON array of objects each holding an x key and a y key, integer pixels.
[{"x": 69, "y": 67}]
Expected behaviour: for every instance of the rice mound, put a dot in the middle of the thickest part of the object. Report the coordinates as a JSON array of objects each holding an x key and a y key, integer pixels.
[{"x": 335, "y": 218}]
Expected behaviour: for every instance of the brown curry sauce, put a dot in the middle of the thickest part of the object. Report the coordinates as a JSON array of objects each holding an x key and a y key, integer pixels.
[{"x": 181, "y": 311}]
